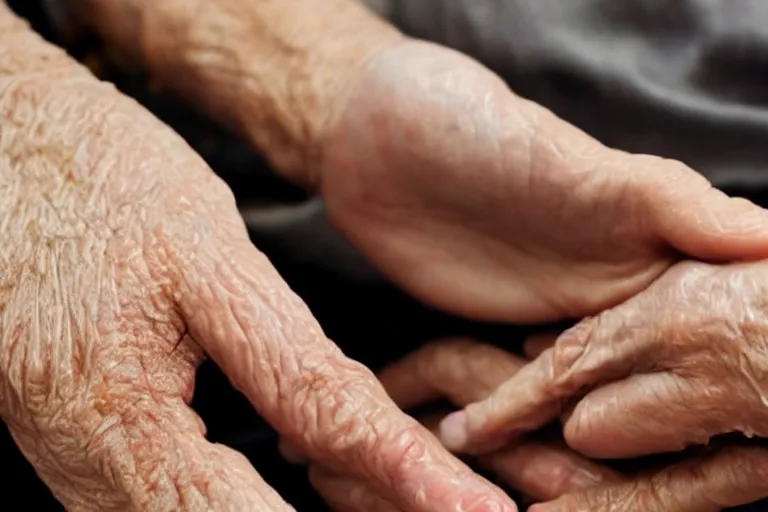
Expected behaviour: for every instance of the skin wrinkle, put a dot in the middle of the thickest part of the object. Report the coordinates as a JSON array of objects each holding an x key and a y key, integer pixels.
[
  {"x": 279, "y": 86},
  {"x": 199, "y": 269},
  {"x": 463, "y": 370},
  {"x": 72, "y": 408},
  {"x": 696, "y": 368}
]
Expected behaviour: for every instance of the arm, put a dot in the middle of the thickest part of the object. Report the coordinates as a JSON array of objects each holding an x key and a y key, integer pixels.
[
  {"x": 126, "y": 262},
  {"x": 292, "y": 62}
]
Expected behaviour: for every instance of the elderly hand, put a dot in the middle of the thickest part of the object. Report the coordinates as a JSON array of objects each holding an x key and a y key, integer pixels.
[
  {"x": 724, "y": 478},
  {"x": 464, "y": 371},
  {"x": 680, "y": 363},
  {"x": 471, "y": 198},
  {"x": 124, "y": 261}
]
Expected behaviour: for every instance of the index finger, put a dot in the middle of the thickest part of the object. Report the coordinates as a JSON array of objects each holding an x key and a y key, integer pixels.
[
  {"x": 460, "y": 369},
  {"x": 327, "y": 405},
  {"x": 463, "y": 371},
  {"x": 600, "y": 349}
]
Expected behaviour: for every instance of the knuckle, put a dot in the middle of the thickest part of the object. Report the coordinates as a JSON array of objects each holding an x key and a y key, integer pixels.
[
  {"x": 567, "y": 353},
  {"x": 343, "y": 421},
  {"x": 401, "y": 450},
  {"x": 336, "y": 408},
  {"x": 391, "y": 451}
]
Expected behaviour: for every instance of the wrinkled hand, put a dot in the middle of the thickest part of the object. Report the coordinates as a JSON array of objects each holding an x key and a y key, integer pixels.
[
  {"x": 124, "y": 261},
  {"x": 469, "y": 197},
  {"x": 725, "y": 478},
  {"x": 487, "y": 205},
  {"x": 464, "y": 371},
  {"x": 680, "y": 363}
]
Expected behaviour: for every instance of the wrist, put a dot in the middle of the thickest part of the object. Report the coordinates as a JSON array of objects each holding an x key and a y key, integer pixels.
[
  {"x": 288, "y": 110},
  {"x": 274, "y": 70}
]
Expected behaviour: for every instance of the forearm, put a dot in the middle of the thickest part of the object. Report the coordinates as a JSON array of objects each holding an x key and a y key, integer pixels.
[
  {"x": 23, "y": 53},
  {"x": 57, "y": 126},
  {"x": 272, "y": 69}
]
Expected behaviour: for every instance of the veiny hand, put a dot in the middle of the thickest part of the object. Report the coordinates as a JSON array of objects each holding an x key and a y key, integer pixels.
[
  {"x": 471, "y": 198},
  {"x": 124, "y": 261},
  {"x": 464, "y": 371},
  {"x": 680, "y": 363}
]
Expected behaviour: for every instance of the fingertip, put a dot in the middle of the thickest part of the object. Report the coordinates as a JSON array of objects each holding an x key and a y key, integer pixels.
[
  {"x": 722, "y": 228},
  {"x": 453, "y": 431},
  {"x": 476, "y": 429}
]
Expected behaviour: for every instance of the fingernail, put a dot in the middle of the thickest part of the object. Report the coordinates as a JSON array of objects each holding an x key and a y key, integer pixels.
[{"x": 453, "y": 431}]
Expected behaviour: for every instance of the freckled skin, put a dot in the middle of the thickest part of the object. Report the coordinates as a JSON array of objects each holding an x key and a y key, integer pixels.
[
  {"x": 126, "y": 262},
  {"x": 94, "y": 360}
]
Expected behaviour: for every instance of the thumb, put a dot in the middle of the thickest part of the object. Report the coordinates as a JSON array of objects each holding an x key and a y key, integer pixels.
[
  {"x": 699, "y": 220},
  {"x": 731, "y": 477},
  {"x": 657, "y": 412}
]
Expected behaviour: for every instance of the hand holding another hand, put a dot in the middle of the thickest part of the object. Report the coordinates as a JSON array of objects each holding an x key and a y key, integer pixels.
[
  {"x": 125, "y": 262},
  {"x": 468, "y": 196},
  {"x": 484, "y": 204},
  {"x": 464, "y": 371},
  {"x": 682, "y": 362}
]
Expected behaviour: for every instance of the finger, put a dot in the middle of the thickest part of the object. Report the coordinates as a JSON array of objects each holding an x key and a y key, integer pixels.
[
  {"x": 545, "y": 471},
  {"x": 344, "y": 494},
  {"x": 459, "y": 369},
  {"x": 601, "y": 349},
  {"x": 464, "y": 370},
  {"x": 542, "y": 471},
  {"x": 732, "y": 477},
  {"x": 694, "y": 217},
  {"x": 536, "y": 345},
  {"x": 267, "y": 342},
  {"x": 646, "y": 414}
]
